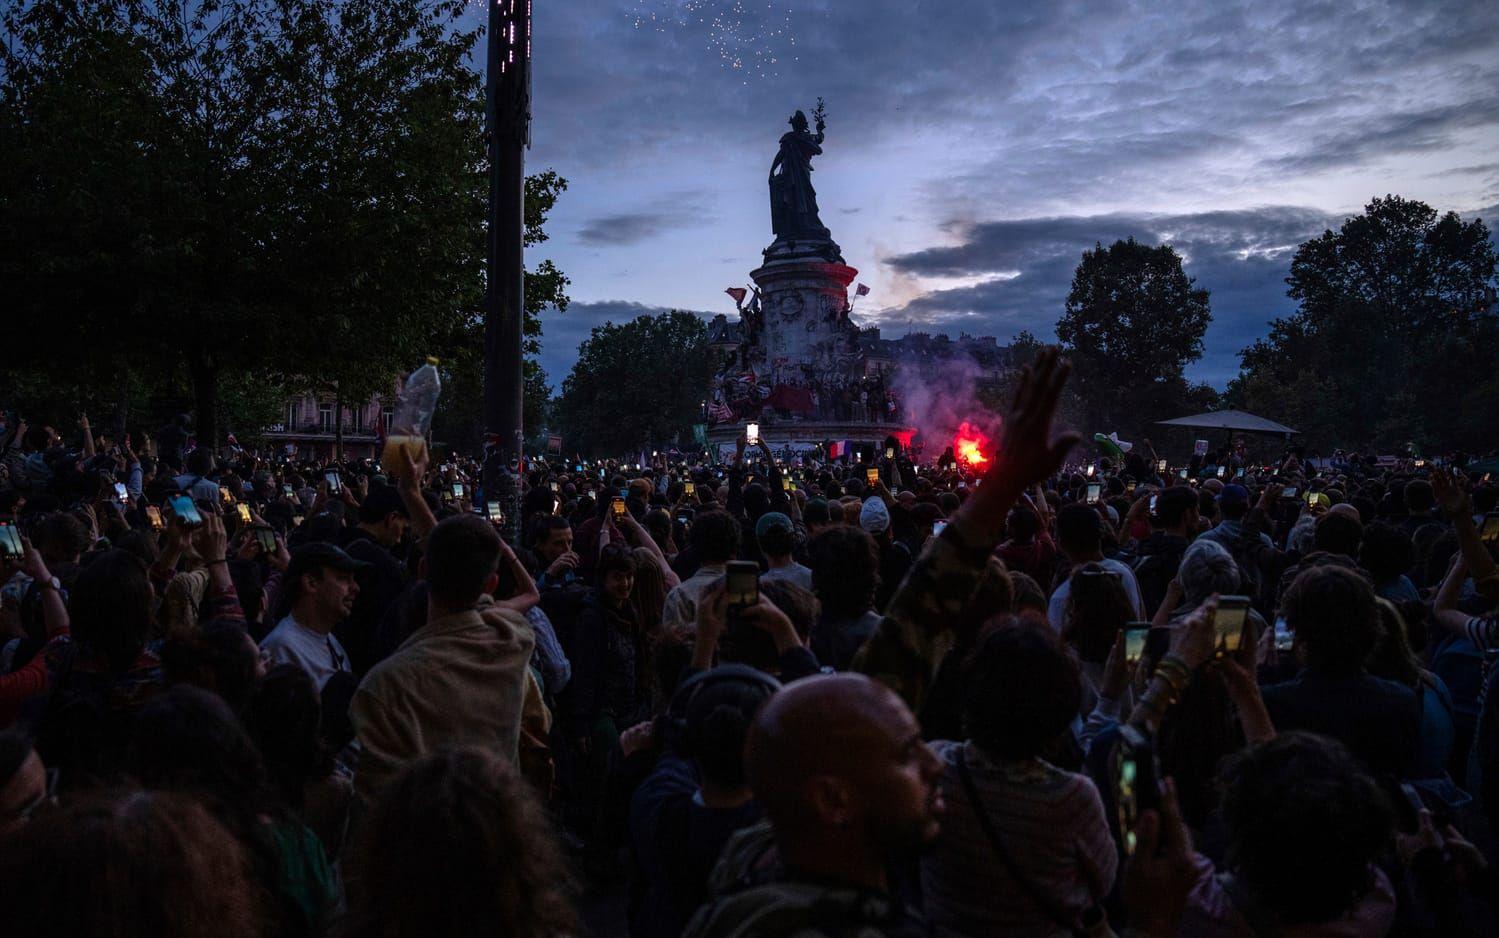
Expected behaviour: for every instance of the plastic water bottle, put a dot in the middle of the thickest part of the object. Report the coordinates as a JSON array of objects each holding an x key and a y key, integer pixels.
[{"x": 415, "y": 405}]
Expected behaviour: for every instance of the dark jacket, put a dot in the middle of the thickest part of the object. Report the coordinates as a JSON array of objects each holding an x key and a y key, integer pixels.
[
  {"x": 1378, "y": 720},
  {"x": 604, "y": 655},
  {"x": 1156, "y": 560}
]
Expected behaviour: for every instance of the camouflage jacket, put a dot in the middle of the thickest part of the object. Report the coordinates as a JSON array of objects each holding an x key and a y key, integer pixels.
[{"x": 916, "y": 632}]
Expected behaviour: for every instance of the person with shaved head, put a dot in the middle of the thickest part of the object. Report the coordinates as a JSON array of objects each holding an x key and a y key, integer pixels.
[{"x": 846, "y": 783}]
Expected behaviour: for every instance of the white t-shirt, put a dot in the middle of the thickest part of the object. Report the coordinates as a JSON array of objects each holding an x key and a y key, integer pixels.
[
  {"x": 321, "y": 656},
  {"x": 1056, "y": 610}
]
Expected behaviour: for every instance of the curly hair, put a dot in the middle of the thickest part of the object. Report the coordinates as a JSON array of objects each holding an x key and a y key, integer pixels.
[
  {"x": 1304, "y": 824},
  {"x": 132, "y": 864},
  {"x": 111, "y": 607},
  {"x": 845, "y": 570},
  {"x": 1022, "y": 689},
  {"x": 1331, "y": 609},
  {"x": 456, "y": 846}
]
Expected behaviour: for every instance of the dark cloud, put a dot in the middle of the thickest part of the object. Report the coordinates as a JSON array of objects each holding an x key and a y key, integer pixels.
[
  {"x": 628, "y": 228},
  {"x": 1240, "y": 257}
]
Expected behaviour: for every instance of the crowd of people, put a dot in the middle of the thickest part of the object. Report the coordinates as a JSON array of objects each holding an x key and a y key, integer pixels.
[{"x": 246, "y": 697}]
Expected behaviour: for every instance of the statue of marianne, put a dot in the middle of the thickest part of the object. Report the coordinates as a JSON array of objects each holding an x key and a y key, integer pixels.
[{"x": 793, "y": 201}]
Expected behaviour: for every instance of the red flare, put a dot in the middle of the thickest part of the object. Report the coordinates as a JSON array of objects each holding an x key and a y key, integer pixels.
[{"x": 969, "y": 443}]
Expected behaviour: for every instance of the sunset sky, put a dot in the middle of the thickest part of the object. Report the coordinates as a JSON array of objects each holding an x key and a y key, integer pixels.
[{"x": 975, "y": 148}]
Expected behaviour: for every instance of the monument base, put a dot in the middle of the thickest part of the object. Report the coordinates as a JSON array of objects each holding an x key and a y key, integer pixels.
[{"x": 802, "y": 434}]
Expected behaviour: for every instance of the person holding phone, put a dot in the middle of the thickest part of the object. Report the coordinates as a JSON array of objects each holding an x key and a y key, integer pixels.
[{"x": 1336, "y": 624}]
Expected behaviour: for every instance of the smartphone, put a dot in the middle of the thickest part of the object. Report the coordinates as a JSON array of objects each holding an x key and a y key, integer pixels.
[
  {"x": 266, "y": 538},
  {"x": 121, "y": 493},
  {"x": 752, "y": 433},
  {"x": 1288, "y": 492},
  {"x": 871, "y": 475},
  {"x": 1284, "y": 637},
  {"x": 1489, "y": 533},
  {"x": 225, "y": 495},
  {"x": 1091, "y": 469},
  {"x": 495, "y": 514},
  {"x": 335, "y": 482},
  {"x": 1420, "y": 464},
  {"x": 457, "y": 489},
  {"x": 243, "y": 511},
  {"x": 1095, "y": 490},
  {"x": 553, "y": 485},
  {"x": 1239, "y": 474},
  {"x": 1135, "y": 785},
  {"x": 186, "y": 510},
  {"x": 1153, "y": 500},
  {"x": 1229, "y": 622},
  {"x": 785, "y": 484},
  {"x": 617, "y": 506},
  {"x": 889, "y": 452},
  {"x": 689, "y": 488},
  {"x": 1311, "y": 499},
  {"x": 1134, "y": 641},
  {"x": 938, "y": 527},
  {"x": 1222, "y": 471},
  {"x": 153, "y": 517},
  {"x": 684, "y": 518},
  {"x": 1182, "y": 475},
  {"x": 742, "y": 580},
  {"x": 10, "y": 542},
  {"x": 1160, "y": 465},
  {"x": 286, "y": 491}
]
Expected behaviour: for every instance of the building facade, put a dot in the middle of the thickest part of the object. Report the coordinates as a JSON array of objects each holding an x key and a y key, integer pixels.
[{"x": 310, "y": 425}]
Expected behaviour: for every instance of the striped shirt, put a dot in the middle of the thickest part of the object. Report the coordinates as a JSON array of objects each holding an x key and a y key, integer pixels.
[{"x": 1053, "y": 826}]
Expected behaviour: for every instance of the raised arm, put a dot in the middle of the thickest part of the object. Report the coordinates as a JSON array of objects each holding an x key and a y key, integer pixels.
[{"x": 903, "y": 652}]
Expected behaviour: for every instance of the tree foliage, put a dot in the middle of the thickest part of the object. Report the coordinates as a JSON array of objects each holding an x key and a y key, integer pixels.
[
  {"x": 1394, "y": 336},
  {"x": 1133, "y": 322},
  {"x": 636, "y": 385},
  {"x": 269, "y": 190}
]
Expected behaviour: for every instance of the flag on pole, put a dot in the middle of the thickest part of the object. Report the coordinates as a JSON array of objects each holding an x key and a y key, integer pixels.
[
  {"x": 861, "y": 290},
  {"x": 837, "y": 449},
  {"x": 738, "y": 293},
  {"x": 719, "y": 412}
]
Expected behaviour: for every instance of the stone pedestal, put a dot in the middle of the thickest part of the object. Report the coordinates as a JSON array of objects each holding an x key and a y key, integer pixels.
[
  {"x": 803, "y": 338},
  {"x": 806, "y": 336}
]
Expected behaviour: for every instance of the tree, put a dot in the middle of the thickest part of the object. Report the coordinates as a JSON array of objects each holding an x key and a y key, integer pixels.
[
  {"x": 1393, "y": 338},
  {"x": 268, "y": 189},
  {"x": 1133, "y": 322},
  {"x": 636, "y": 385}
]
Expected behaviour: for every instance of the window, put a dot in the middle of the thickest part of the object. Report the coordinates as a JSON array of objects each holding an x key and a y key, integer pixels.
[
  {"x": 325, "y": 418},
  {"x": 293, "y": 414},
  {"x": 356, "y": 419},
  {"x": 387, "y": 414}
]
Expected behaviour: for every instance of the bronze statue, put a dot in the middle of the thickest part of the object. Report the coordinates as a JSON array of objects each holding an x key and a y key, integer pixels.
[{"x": 793, "y": 201}]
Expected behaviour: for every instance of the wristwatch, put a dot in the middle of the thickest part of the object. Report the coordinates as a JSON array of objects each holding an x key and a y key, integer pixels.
[{"x": 51, "y": 583}]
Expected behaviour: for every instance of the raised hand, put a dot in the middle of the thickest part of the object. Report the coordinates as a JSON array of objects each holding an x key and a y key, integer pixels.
[{"x": 1030, "y": 449}]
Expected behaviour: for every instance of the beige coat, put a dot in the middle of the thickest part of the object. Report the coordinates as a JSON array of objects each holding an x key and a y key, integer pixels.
[{"x": 459, "y": 680}]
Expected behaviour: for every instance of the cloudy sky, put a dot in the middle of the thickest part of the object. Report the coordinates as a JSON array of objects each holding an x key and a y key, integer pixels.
[{"x": 976, "y": 147}]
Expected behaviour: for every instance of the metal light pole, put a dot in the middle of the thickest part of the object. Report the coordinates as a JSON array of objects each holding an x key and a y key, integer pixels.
[{"x": 508, "y": 114}]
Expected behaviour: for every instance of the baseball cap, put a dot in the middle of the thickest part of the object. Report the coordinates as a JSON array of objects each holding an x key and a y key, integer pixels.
[
  {"x": 309, "y": 558},
  {"x": 1234, "y": 493},
  {"x": 772, "y": 521}
]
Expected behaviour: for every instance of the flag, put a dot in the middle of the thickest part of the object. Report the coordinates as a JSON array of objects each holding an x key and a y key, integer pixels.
[
  {"x": 554, "y": 444},
  {"x": 738, "y": 293},
  {"x": 719, "y": 412},
  {"x": 838, "y": 449},
  {"x": 861, "y": 290}
]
